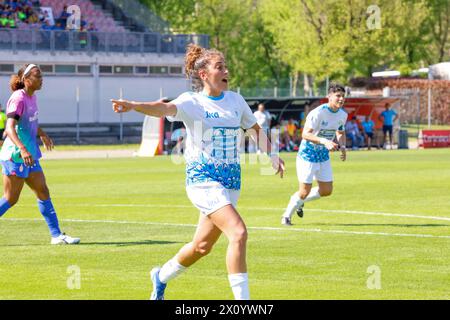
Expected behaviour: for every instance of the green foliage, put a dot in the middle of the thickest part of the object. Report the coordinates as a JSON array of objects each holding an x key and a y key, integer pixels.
[
  {"x": 236, "y": 28},
  {"x": 267, "y": 40}
]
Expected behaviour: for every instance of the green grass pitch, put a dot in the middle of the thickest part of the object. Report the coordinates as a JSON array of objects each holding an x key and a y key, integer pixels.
[{"x": 390, "y": 211}]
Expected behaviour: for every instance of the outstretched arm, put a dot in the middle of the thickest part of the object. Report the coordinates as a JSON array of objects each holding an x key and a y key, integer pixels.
[
  {"x": 266, "y": 146},
  {"x": 155, "y": 109}
]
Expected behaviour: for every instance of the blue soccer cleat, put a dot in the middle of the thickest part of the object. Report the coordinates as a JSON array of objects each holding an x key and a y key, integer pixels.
[{"x": 158, "y": 286}]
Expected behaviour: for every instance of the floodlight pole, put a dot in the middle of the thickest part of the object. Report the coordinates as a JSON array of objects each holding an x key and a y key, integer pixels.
[
  {"x": 78, "y": 113},
  {"x": 121, "y": 117}
]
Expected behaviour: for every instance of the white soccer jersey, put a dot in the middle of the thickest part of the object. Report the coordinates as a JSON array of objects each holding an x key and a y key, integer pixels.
[
  {"x": 263, "y": 118},
  {"x": 213, "y": 128},
  {"x": 324, "y": 122}
]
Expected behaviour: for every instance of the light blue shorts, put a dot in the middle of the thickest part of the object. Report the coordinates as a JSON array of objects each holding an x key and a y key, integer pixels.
[{"x": 10, "y": 168}]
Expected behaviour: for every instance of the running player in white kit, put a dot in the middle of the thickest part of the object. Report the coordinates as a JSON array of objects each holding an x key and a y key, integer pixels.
[
  {"x": 213, "y": 117},
  {"x": 322, "y": 126}
]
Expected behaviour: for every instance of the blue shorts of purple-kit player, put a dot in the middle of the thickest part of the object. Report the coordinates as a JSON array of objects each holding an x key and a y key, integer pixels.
[{"x": 10, "y": 168}]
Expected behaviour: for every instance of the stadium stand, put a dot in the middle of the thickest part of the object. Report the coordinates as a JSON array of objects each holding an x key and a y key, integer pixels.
[{"x": 121, "y": 46}]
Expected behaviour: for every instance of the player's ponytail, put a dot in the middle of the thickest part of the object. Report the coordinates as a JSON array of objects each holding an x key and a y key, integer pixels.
[
  {"x": 198, "y": 58},
  {"x": 16, "y": 82}
]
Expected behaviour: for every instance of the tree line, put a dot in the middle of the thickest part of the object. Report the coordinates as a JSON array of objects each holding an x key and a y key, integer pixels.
[{"x": 269, "y": 41}]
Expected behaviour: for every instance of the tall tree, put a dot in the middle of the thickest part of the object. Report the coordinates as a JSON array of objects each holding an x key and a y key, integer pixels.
[
  {"x": 236, "y": 28},
  {"x": 334, "y": 38},
  {"x": 438, "y": 23}
]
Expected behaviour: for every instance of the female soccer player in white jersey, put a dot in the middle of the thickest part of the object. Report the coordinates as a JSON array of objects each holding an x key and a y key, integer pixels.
[
  {"x": 322, "y": 125},
  {"x": 213, "y": 118},
  {"x": 20, "y": 153}
]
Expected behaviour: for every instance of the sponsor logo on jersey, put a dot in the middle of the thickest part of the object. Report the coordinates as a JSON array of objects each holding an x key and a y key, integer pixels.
[{"x": 212, "y": 115}]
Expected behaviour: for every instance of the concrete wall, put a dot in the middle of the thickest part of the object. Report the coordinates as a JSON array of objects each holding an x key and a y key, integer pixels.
[{"x": 57, "y": 99}]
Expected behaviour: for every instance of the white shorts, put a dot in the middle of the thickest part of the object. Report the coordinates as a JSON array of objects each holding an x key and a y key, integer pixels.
[
  {"x": 308, "y": 171},
  {"x": 210, "y": 197}
]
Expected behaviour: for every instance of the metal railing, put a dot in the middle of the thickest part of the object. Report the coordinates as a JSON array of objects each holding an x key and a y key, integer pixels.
[{"x": 91, "y": 42}]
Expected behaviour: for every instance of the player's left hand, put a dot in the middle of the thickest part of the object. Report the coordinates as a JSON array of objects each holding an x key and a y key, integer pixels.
[
  {"x": 278, "y": 164},
  {"x": 47, "y": 141},
  {"x": 343, "y": 153}
]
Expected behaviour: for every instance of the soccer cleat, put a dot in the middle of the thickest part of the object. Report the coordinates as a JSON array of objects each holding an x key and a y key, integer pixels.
[
  {"x": 286, "y": 221},
  {"x": 64, "y": 239},
  {"x": 158, "y": 286},
  {"x": 300, "y": 211}
]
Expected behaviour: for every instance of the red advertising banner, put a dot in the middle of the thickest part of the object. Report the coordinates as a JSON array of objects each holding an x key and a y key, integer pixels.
[{"x": 434, "y": 138}]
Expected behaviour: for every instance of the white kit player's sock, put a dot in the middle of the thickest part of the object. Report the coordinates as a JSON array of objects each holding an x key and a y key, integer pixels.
[
  {"x": 293, "y": 205},
  {"x": 239, "y": 286},
  {"x": 313, "y": 195},
  {"x": 170, "y": 270}
]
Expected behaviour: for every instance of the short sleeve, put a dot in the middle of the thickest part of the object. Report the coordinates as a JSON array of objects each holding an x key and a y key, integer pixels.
[
  {"x": 344, "y": 120},
  {"x": 312, "y": 120},
  {"x": 184, "y": 103},
  {"x": 248, "y": 119},
  {"x": 15, "y": 107}
]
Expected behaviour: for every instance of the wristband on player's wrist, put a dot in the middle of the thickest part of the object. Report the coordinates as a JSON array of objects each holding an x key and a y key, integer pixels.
[{"x": 323, "y": 141}]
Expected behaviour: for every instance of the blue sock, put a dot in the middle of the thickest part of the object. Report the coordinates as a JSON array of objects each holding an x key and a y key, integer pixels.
[
  {"x": 49, "y": 213},
  {"x": 4, "y": 206}
]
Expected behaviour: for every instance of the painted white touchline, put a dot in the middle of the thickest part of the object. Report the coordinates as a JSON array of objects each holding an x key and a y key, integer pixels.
[
  {"x": 371, "y": 213},
  {"x": 413, "y": 235}
]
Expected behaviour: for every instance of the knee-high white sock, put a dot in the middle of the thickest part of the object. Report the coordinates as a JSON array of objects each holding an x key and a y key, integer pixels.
[
  {"x": 170, "y": 270},
  {"x": 293, "y": 205},
  {"x": 313, "y": 195},
  {"x": 239, "y": 286}
]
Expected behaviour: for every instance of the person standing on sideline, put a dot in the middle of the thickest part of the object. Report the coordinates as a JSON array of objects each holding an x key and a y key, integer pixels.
[
  {"x": 2, "y": 124},
  {"x": 368, "y": 126},
  {"x": 264, "y": 119},
  {"x": 213, "y": 117},
  {"x": 388, "y": 116},
  {"x": 322, "y": 126},
  {"x": 20, "y": 153}
]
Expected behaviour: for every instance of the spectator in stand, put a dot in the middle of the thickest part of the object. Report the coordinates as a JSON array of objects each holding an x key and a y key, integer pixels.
[
  {"x": 47, "y": 26},
  {"x": 368, "y": 126},
  {"x": 92, "y": 27},
  {"x": 12, "y": 21},
  {"x": 63, "y": 17},
  {"x": 292, "y": 130},
  {"x": 353, "y": 133},
  {"x": 4, "y": 21},
  {"x": 58, "y": 26}
]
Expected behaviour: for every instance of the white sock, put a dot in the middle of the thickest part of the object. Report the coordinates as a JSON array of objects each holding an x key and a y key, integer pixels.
[
  {"x": 313, "y": 195},
  {"x": 239, "y": 286},
  {"x": 170, "y": 270},
  {"x": 293, "y": 205}
]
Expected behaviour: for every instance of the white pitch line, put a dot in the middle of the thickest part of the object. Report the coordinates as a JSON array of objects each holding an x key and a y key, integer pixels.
[
  {"x": 412, "y": 235},
  {"x": 370, "y": 213}
]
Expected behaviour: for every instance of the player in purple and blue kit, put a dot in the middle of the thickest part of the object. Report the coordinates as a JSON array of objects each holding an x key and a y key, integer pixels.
[{"x": 20, "y": 153}]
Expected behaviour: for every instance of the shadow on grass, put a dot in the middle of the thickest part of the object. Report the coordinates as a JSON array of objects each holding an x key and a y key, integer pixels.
[
  {"x": 382, "y": 225},
  {"x": 118, "y": 244},
  {"x": 125, "y": 243}
]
